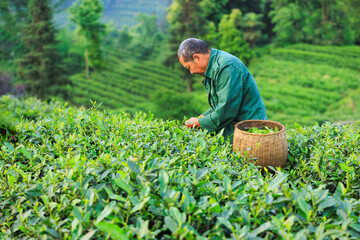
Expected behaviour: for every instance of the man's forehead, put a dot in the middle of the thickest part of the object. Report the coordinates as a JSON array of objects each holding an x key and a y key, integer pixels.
[{"x": 182, "y": 61}]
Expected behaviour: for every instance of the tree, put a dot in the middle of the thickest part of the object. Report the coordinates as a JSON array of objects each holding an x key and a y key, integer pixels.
[
  {"x": 351, "y": 9},
  {"x": 317, "y": 21},
  {"x": 86, "y": 14},
  {"x": 186, "y": 20},
  {"x": 12, "y": 18},
  {"x": 71, "y": 50},
  {"x": 252, "y": 25},
  {"x": 256, "y": 23},
  {"x": 40, "y": 68},
  {"x": 124, "y": 37},
  {"x": 146, "y": 37},
  {"x": 231, "y": 38}
]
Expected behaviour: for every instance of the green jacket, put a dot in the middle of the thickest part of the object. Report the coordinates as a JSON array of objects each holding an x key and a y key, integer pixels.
[{"x": 232, "y": 93}]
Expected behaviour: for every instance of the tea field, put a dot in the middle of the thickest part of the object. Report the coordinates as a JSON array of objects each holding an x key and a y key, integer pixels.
[
  {"x": 307, "y": 83},
  {"x": 68, "y": 173},
  {"x": 124, "y": 83},
  {"x": 300, "y": 83}
]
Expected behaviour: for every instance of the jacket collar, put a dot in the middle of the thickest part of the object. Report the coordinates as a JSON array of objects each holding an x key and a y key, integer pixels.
[{"x": 212, "y": 58}]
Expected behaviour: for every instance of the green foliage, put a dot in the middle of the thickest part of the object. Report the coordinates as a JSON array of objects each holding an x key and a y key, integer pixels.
[
  {"x": 252, "y": 26},
  {"x": 86, "y": 14},
  {"x": 71, "y": 50},
  {"x": 147, "y": 39},
  {"x": 352, "y": 20},
  {"x": 317, "y": 22},
  {"x": 124, "y": 83},
  {"x": 6, "y": 122},
  {"x": 231, "y": 38},
  {"x": 307, "y": 83},
  {"x": 264, "y": 130},
  {"x": 13, "y": 15},
  {"x": 124, "y": 38},
  {"x": 40, "y": 68},
  {"x": 255, "y": 24},
  {"x": 88, "y": 174},
  {"x": 31, "y": 109},
  {"x": 173, "y": 105},
  {"x": 186, "y": 20},
  {"x": 325, "y": 145}
]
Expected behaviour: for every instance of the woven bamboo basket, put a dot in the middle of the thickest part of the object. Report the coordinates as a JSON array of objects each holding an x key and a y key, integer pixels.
[{"x": 269, "y": 149}]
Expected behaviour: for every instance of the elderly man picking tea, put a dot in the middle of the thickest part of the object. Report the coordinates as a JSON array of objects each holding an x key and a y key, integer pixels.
[{"x": 232, "y": 91}]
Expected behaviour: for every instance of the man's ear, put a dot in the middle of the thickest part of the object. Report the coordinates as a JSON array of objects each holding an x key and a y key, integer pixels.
[{"x": 196, "y": 57}]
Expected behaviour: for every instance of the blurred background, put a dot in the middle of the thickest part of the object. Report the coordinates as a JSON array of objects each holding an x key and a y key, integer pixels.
[{"x": 304, "y": 55}]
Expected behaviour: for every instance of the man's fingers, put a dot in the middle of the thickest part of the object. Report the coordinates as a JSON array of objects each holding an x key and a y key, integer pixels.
[{"x": 190, "y": 124}]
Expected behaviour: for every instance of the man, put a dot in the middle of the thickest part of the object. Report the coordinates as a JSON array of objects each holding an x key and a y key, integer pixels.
[{"x": 232, "y": 92}]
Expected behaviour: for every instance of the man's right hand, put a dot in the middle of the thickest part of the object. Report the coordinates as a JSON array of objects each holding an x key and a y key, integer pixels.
[{"x": 192, "y": 123}]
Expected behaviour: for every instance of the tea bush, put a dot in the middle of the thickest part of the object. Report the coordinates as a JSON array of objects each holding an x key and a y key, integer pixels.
[{"x": 89, "y": 174}]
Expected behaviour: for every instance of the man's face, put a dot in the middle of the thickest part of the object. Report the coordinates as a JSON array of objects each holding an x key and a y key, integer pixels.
[{"x": 197, "y": 66}]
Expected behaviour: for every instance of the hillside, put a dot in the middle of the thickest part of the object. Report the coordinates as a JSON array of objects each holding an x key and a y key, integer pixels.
[
  {"x": 120, "y": 12},
  {"x": 299, "y": 83},
  {"x": 125, "y": 83},
  {"x": 86, "y": 174},
  {"x": 307, "y": 83}
]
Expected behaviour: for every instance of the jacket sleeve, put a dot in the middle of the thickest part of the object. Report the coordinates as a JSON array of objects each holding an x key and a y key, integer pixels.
[
  {"x": 207, "y": 112},
  {"x": 229, "y": 91}
]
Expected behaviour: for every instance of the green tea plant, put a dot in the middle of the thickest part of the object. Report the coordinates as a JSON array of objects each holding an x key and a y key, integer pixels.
[
  {"x": 91, "y": 174},
  {"x": 264, "y": 130}
]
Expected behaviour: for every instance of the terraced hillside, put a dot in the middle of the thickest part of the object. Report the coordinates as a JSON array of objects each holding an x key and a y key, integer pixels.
[
  {"x": 306, "y": 83},
  {"x": 124, "y": 84}
]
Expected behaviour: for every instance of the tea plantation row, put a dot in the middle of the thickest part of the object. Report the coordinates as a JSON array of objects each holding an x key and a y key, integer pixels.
[
  {"x": 299, "y": 83},
  {"x": 307, "y": 83},
  {"x": 87, "y": 174},
  {"x": 124, "y": 83}
]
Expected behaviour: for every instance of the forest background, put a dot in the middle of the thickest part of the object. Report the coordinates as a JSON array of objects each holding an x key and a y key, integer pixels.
[{"x": 304, "y": 55}]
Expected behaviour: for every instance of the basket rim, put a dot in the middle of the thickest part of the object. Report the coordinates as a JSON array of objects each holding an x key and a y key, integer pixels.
[{"x": 257, "y": 120}]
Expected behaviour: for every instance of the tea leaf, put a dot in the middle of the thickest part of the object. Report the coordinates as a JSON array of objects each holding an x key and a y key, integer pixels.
[
  {"x": 170, "y": 224},
  {"x": 9, "y": 147},
  {"x": 114, "y": 196},
  {"x": 328, "y": 202},
  {"x": 123, "y": 185},
  {"x": 140, "y": 205},
  {"x": 143, "y": 227},
  {"x": 305, "y": 207},
  {"x": 201, "y": 173},
  {"x": 77, "y": 213},
  {"x": 163, "y": 179},
  {"x": 281, "y": 176},
  {"x": 88, "y": 235},
  {"x": 104, "y": 174},
  {"x": 135, "y": 168},
  {"x": 175, "y": 213},
  {"x": 26, "y": 153},
  {"x": 346, "y": 167},
  {"x": 114, "y": 230},
  {"x": 53, "y": 233},
  {"x": 105, "y": 212},
  {"x": 260, "y": 229}
]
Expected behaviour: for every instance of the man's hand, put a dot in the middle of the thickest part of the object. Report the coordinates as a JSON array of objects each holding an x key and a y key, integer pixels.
[{"x": 192, "y": 123}]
